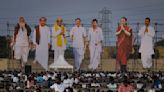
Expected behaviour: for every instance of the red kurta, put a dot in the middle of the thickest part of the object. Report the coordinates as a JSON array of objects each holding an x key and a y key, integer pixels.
[{"x": 124, "y": 45}]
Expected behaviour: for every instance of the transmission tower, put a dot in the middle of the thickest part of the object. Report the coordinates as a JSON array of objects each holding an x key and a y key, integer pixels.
[{"x": 105, "y": 18}]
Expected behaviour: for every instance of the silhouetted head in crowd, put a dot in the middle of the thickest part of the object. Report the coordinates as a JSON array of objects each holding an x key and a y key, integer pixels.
[
  {"x": 58, "y": 80},
  {"x": 125, "y": 81}
]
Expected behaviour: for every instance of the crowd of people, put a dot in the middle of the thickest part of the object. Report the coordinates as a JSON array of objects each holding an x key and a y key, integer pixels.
[{"x": 84, "y": 81}]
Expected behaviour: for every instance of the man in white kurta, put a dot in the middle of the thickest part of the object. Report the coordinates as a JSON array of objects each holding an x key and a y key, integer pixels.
[
  {"x": 78, "y": 37},
  {"x": 146, "y": 47},
  {"x": 59, "y": 45},
  {"x": 59, "y": 38},
  {"x": 95, "y": 38},
  {"x": 21, "y": 41},
  {"x": 41, "y": 54}
]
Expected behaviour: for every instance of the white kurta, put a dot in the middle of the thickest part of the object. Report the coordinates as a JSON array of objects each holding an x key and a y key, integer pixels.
[
  {"x": 95, "y": 37},
  {"x": 21, "y": 48},
  {"x": 78, "y": 34},
  {"x": 57, "y": 50},
  {"x": 59, "y": 61},
  {"x": 146, "y": 46},
  {"x": 41, "y": 54}
]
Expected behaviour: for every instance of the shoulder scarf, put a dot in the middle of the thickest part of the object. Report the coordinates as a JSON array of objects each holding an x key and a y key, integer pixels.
[{"x": 59, "y": 41}]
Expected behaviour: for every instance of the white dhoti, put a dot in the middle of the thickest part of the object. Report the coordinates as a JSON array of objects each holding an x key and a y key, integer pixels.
[
  {"x": 59, "y": 61},
  {"x": 21, "y": 47},
  {"x": 79, "y": 56},
  {"x": 95, "y": 38},
  {"x": 21, "y": 52},
  {"x": 146, "y": 60},
  {"x": 146, "y": 51},
  {"x": 78, "y": 34},
  {"x": 146, "y": 47},
  {"x": 41, "y": 54},
  {"x": 94, "y": 57},
  {"x": 58, "y": 52}
]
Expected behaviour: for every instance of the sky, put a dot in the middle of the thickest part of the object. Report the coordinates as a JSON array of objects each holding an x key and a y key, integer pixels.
[{"x": 134, "y": 10}]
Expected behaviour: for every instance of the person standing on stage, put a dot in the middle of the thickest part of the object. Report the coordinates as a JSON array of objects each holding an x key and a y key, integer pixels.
[
  {"x": 95, "y": 38},
  {"x": 21, "y": 41},
  {"x": 146, "y": 33},
  {"x": 59, "y": 44},
  {"x": 59, "y": 38},
  {"x": 124, "y": 44},
  {"x": 41, "y": 41},
  {"x": 78, "y": 37}
]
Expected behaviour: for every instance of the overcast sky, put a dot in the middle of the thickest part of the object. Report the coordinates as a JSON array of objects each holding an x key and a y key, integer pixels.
[{"x": 134, "y": 10}]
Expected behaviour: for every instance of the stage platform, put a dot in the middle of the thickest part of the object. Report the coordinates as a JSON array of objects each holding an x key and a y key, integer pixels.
[{"x": 106, "y": 65}]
